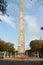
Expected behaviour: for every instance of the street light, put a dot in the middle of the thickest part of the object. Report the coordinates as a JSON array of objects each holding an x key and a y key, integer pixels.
[
  {"x": 42, "y": 28},
  {"x": 41, "y": 33}
]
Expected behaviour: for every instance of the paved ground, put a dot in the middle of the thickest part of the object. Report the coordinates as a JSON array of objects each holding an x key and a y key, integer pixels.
[
  {"x": 21, "y": 61},
  {"x": 13, "y": 62},
  {"x": 24, "y": 59}
]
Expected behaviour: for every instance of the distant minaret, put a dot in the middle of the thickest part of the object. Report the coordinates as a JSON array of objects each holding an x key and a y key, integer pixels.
[{"x": 21, "y": 39}]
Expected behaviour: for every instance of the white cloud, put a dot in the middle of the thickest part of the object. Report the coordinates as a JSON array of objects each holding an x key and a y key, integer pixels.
[
  {"x": 29, "y": 3},
  {"x": 32, "y": 29},
  {"x": 32, "y": 24},
  {"x": 27, "y": 46},
  {"x": 30, "y": 38},
  {"x": 13, "y": 7},
  {"x": 9, "y": 20}
]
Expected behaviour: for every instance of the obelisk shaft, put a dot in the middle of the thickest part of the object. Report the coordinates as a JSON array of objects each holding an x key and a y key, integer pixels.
[{"x": 21, "y": 40}]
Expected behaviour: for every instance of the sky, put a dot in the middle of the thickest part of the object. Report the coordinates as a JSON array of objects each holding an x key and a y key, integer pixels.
[{"x": 33, "y": 21}]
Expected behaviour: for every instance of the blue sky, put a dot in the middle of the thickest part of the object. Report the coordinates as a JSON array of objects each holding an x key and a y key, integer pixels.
[{"x": 33, "y": 20}]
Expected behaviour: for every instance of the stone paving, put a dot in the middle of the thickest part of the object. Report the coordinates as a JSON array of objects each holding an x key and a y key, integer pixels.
[
  {"x": 24, "y": 59},
  {"x": 14, "y": 62},
  {"x": 21, "y": 61}
]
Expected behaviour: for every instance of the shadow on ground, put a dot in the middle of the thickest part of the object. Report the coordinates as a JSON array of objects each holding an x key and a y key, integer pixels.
[{"x": 13, "y": 62}]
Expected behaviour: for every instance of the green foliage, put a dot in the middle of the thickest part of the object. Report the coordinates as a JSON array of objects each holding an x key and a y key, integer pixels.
[
  {"x": 36, "y": 44},
  {"x": 6, "y": 46},
  {"x": 10, "y": 47},
  {"x": 3, "y": 5},
  {"x": 2, "y": 45}
]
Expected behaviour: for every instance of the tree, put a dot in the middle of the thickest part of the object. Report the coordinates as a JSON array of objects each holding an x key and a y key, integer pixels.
[
  {"x": 36, "y": 44},
  {"x": 2, "y": 45},
  {"x": 3, "y": 5},
  {"x": 6, "y": 46},
  {"x": 10, "y": 47}
]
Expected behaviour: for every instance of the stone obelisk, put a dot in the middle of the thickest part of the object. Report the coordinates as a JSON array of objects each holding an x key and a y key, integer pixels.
[{"x": 21, "y": 38}]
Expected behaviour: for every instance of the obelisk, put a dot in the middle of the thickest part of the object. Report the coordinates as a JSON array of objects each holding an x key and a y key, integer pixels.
[{"x": 21, "y": 38}]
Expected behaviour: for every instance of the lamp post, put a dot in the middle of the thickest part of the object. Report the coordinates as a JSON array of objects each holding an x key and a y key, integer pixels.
[{"x": 41, "y": 33}]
